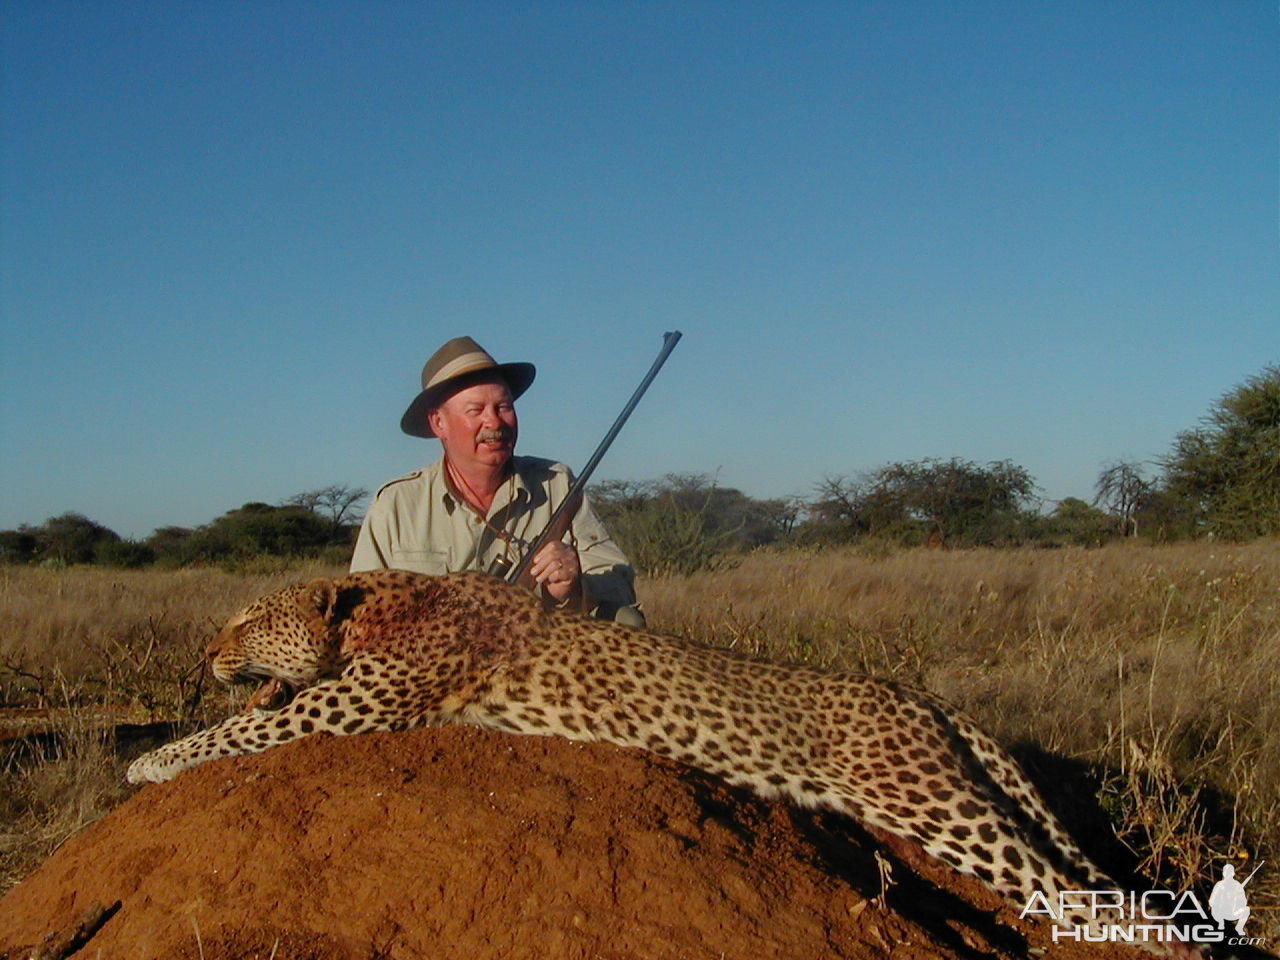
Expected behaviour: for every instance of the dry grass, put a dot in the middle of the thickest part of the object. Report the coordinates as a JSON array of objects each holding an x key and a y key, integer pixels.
[
  {"x": 1155, "y": 666},
  {"x": 46, "y": 798},
  {"x": 130, "y": 637},
  {"x": 77, "y": 640}
]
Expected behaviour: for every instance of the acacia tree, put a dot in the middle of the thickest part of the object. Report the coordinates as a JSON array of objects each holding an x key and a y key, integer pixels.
[
  {"x": 336, "y": 504},
  {"x": 838, "y": 508},
  {"x": 1226, "y": 472},
  {"x": 72, "y": 538},
  {"x": 685, "y": 521},
  {"x": 952, "y": 499},
  {"x": 256, "y": 530},
  {"x": 959, "y": 498},
  {"x": 1074, "y": 521},
  {"x": 1123, "y": 490}
]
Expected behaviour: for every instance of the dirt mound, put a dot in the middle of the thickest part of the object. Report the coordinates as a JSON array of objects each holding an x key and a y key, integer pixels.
[{"x": 459, "y": 842}]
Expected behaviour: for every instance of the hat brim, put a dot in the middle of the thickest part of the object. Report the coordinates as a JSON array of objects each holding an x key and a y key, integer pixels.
[{"x": 519, "y": 376}]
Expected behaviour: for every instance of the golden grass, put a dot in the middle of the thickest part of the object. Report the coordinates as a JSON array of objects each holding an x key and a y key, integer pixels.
[
  {"x": 1154, "y": 665},
  {"x": 89, "y": 634},
  {"x": 77, "y": 639}
]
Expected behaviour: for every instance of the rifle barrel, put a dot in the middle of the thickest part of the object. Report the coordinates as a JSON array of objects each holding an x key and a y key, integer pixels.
[{"x": 669, "y": 341}]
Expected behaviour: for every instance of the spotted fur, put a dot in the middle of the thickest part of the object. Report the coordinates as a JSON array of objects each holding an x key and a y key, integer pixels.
[{"x": 391, "y": 650}]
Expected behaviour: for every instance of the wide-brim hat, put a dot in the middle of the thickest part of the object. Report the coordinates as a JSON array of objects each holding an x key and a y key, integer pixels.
[{"x": 457, "y": 364}]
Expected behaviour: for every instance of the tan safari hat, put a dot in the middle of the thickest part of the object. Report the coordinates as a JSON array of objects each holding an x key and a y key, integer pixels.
[{"x": 452, "y": 367}]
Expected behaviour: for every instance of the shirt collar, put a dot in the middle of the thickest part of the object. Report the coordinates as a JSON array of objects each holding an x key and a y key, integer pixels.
[{"x": 452, "y": 500}]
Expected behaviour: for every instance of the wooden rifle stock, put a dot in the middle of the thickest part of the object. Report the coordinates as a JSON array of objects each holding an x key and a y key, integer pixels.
[
  {"x": 557, "y": 527},
  {"x": 562, "y": 519}
]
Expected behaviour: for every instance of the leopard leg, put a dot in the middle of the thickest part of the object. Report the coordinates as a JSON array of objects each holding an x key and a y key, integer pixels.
[{"x": 353, "y": 703}]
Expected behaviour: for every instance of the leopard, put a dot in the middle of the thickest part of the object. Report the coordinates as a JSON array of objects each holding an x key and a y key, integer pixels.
[{"x": 390, "y": 650}]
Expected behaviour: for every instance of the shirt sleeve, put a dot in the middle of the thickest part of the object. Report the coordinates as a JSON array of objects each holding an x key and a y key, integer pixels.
[
  {"x": 370, "y": 554},
  {"x": 607, "y": 574}
]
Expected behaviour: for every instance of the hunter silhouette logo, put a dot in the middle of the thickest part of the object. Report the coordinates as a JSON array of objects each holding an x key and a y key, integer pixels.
[
  {"x": 1153, "y": 916},
  {"x": 1227, "y": 900}
]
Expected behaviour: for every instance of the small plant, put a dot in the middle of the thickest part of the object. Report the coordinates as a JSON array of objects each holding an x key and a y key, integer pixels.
[
  {"x": 668, "y": 540},
  {"x": 1161, "y": 818},
  {"x": 50, "y": 793}
]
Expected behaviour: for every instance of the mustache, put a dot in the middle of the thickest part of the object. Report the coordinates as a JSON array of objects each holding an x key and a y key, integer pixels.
[{"x": 492, "y": 436}]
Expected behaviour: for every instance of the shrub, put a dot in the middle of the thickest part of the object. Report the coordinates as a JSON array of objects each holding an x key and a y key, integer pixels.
[{"x": 129, "y": 554}]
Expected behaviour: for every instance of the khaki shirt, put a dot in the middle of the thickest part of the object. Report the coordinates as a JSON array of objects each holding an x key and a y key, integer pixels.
[{"x": 417, "y": 523}]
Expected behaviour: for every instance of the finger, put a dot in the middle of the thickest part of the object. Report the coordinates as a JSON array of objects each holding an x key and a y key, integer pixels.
[
  {"x": 545, "y": 556},
  {"x": 544, "y": 570},
  {"x": 550, "y": 554},
  {"x": 558, "y": 572}
]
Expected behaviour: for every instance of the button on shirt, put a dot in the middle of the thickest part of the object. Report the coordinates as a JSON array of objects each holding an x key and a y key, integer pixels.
[{"x": 418, "y": 523}]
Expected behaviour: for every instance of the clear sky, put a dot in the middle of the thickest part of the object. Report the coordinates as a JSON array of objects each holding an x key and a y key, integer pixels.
[{"x": 232, "y": 232}]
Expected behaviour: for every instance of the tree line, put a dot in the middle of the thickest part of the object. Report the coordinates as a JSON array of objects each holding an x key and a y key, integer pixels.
[
  {"x": 1220, "y": 479},
  {"x": 315, "y": 523}
]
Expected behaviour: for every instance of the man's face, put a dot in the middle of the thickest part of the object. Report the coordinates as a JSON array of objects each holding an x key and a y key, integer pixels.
[{"x": 477, "y": 425}]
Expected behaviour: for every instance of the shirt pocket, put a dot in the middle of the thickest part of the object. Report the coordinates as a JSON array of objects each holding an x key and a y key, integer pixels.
[{"x": 421, "y": 561}]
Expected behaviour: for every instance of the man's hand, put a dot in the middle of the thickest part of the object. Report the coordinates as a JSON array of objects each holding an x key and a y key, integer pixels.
[{"x": 556, "y": 568}]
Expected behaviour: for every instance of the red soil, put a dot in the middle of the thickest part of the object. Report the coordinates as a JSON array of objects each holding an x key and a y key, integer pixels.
[{"x": 457, "y": 842}]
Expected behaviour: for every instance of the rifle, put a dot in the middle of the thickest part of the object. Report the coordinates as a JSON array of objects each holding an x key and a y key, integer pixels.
[{"x": 563, "y": 516}]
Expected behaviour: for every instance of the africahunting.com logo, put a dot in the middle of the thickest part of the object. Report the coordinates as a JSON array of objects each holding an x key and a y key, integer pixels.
[{"x": 1153, "y": 916}]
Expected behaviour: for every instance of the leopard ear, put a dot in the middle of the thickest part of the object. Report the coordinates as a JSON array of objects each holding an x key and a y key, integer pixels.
[{"x": 321, "y": 596}]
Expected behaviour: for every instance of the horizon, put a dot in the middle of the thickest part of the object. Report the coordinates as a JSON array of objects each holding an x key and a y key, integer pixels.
[{"x": 1040, "y": 505}]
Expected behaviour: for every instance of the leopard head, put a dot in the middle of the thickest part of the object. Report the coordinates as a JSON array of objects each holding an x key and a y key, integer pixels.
[{"x": 290, "y": 635}]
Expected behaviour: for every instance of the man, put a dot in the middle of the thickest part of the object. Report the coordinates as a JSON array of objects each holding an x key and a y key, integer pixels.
[
  {"x": 479, "y": 507},
  {"x": 1227, "y": 901}
]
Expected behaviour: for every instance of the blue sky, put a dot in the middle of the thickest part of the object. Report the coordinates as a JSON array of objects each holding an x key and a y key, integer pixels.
[{"x": 231, "y": 233}]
